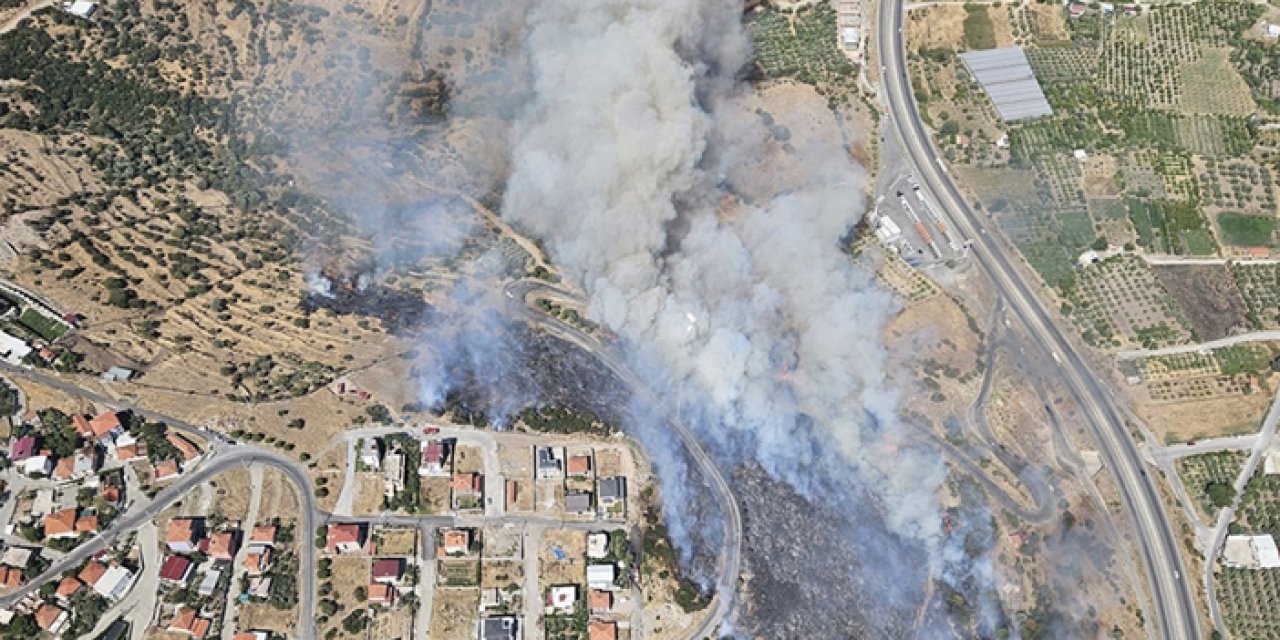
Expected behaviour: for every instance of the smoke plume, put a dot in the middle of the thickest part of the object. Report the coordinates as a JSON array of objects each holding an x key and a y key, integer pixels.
[{"x": 748, "y": 310}]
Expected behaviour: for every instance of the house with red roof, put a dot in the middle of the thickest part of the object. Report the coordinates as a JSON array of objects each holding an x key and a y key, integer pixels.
[
  {"x": 388, "y": 570},
  {"x": 23, "y": 448},
  {"x": 176, "y": 569},
  {"x": 344, "y": 538}
]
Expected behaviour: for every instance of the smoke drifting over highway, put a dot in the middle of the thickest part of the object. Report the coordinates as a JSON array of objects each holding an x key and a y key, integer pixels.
[{"x": 754, "y": 316}]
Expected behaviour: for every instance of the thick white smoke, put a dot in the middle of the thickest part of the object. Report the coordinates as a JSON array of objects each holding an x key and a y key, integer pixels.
[{"x": 753, "y": 310}]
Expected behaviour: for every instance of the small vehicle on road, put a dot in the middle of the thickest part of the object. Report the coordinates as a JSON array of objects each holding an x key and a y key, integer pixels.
[{"x": 430, "y": 431}]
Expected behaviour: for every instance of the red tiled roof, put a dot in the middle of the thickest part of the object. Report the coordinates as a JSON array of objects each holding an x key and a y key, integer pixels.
[
  {"x": 68, "y": 587},
  {"x": 263, "y": 535},
  {"x": 166, "y": 469},
  {"x": 104, "y": 424},
  {"x": 60, "y": 522},
  {"x": 188, "y": 448},
  {"x": 222, "y": 546},
  {"x": 174, "y": 568},
  {"x": 46, "y": 615},
  {"x": 386, "y": 568},
  {"x": 601, "y": 630},
  {"x": 180, "y": 530},
  {"x": 467, "y": 482},
  {"x": 92, "y": 572},
  {"x": 578, "y": 465},
  {"x": 86, "y": 524},
  {"x": 382, "y": 593},
  {"x": 342, "y": 534}
]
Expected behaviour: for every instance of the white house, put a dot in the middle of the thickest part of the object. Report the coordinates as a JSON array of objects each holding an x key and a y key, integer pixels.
[
  {"x": 114, "y": 583},
  {"x": 13, "y": 349},
  {"x": 561, "y": 598},
  {"x": 370, "y": 454},
  {"x": 37, "y": 465},
  {"x": 601, "y": 576}
]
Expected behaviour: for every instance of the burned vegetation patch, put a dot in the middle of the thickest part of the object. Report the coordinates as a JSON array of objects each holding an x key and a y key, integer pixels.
[
  {"x": 847, "y": 580},
  {"x": 542, "y": 371},
  {"x": 400, "y": 312},
  {"x": 1208, "y": 297}
]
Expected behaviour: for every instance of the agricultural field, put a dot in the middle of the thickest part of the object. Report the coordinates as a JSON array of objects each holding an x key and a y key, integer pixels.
[
  {"x": 1208, "y": 478},
  {"x": 1153, "y": 146},
  {"x": 1260, "y": 286},
  {"x": 802, "y": 48},
  {"x": 1248, "y": 596},
  {"x": 1246, "y": 230},
  {"x": 1119, "y": 302},
  {"x": 1229, "y": 371}
]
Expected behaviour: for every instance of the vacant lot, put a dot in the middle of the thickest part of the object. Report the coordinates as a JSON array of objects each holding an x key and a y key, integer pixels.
[
  {"x": 458, "y": 572},
  {"x": 396, "y": 541},
  {"x": 1208, "y": 297},
  {"x": 453, "y": 613},
  {"x": 232, "y": 492},
  {"x": 562, "y": 558},
  {"x": 435, "y": 494},
  {"x": 390, "y": 624},
  {"x": 507, "y": 575},
  {"x": 468, "y": 459}
]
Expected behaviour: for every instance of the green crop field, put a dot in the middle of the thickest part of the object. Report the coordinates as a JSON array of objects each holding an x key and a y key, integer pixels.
[
  {"x": 979, "y": 32},
  {"x": 1245, "y": 230},
  {"x": 42, "y": 325}
]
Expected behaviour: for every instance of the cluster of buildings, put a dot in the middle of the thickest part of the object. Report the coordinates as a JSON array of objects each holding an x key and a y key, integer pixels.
[
  {"x": 586, "y": 494},
  {"x": 100, "y": 577},
  {"x": 387, "y": 574},
  {"x": 196, "y": 556},
  {"x": 603, "y": 576}
]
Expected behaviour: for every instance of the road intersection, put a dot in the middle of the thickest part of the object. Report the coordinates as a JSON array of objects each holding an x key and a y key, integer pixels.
[{"x": 1175, "y": 607}]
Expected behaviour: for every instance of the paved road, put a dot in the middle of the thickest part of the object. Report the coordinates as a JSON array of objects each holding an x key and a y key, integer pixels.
[
  {"x": 221, "y": 457},
  {"x": 730, "y": 562},
  {"x": 1176, "y": 613},
  {"x": 1253, "y": 336},
  {"x": 1261, "y": 444}
]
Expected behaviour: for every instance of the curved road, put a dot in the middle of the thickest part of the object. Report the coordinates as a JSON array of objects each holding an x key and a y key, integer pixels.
[
  {"x": 730, "y": 562},
  {"x": 222, "y": 457},
  {"x": 1176, "y": 612},
  {"x": 224, "y": 460}
]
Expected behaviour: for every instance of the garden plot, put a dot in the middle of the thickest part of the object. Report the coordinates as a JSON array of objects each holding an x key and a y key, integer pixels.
[
  {"x": 1120, "y": 302},
  {"x": 1260, "y": 286},
  {"x": 1245, "y": 230},
  {"x": 1112, "y": 220},
  {"x": 1206, "y": 475},
  {"x": 1213, "y": 135}
]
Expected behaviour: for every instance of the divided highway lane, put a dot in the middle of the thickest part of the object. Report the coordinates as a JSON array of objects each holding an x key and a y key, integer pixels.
[{"x": 1175, "y": 607}]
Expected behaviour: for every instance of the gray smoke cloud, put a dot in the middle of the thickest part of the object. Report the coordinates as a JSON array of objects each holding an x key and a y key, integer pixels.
[{"x": 752, "y": 311}]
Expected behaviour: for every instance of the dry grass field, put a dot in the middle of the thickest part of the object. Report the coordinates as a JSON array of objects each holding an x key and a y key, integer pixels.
[
  {"x": 396, "y": 541},
  {"x": 454, "y": 612}
]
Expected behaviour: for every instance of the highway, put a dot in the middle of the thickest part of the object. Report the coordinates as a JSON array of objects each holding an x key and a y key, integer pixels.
[
  {"x": 730, "y": 561},
  {"x": 1175, "y": 608}
]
